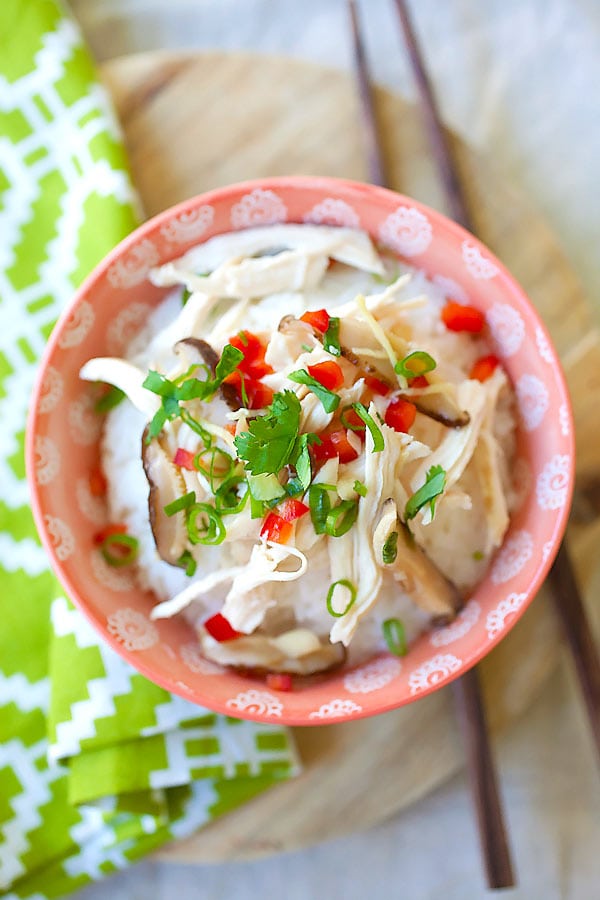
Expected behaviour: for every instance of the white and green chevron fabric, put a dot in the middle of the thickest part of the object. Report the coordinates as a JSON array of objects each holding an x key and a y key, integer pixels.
[{"x": 97, "y": 765}]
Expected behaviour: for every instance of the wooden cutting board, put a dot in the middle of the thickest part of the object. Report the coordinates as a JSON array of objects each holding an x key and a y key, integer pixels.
[{"x": 194, "y": 122}]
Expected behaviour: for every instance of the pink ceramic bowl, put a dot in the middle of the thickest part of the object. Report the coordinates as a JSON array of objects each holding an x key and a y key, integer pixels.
[{"x": 63, "y": 433}]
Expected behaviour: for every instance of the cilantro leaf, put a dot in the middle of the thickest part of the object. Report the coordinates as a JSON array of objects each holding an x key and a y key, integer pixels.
[
  {"x": 329, "y": 400},
  {"x": 331, "y": 338},
  {"x": 434, "y": 485},
  {"x": 269, "y": 443},
  {"x": 301, "y": 460}
]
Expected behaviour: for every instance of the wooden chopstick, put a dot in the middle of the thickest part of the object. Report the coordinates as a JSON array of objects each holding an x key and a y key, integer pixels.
[
  {"x": 561, "y": 579},
  {"x": 482, "y": 772}
]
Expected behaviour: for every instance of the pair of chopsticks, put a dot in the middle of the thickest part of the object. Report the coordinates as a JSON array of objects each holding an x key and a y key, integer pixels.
[{"x": 482, "y": 772}]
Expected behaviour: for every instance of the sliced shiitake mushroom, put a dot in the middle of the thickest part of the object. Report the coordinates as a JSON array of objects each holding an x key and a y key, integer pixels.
[
  {"x": 423, "y": 581},
  {"x": 440, "y": 407},
  {"x": 295, "y": 652},
  {"x": 200, "y": 352},
  {"x": 166, "y": 485}
]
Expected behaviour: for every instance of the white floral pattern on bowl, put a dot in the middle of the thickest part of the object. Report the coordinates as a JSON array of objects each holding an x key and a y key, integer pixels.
[
  {"x": 132, "y": 629},
  {"x": 372, "y": 676},
  {"x": 61, "y": 537},
  {"x": 533, "y": 400},
  {"x": 47, "y": 460},
  {"x": 118, "y": 580},
  {"x": 465, "y": 620},
  {"x": 437, "y": 669},
  {"x": 476, "y": 264},
  {"x": 407, "y": 231},
  {"x": 125, "y": 326},
  {"x": 85, "y": 424},
  {"x": 188, "y": 226},
  {"x": 91, "y": 507},
  {"x": 333, "y": 212},
  {"x": 336, "y": 709},
  {"x": 200, "y": 665},
  {"x": 258, "y": 208},
  {"x": 133, "y": 268},
  {"x": 552, "y": 483},
  {"x": 258, "y": 702},
  {"x": 543, "y": 346},
  {"x": 507, "y": 329},
  {"x": 51, "y": 391},
  {"x": 78, "y": 327},
  {"x": 496, "y": 620},
  {"x": 512, "y": 557}
]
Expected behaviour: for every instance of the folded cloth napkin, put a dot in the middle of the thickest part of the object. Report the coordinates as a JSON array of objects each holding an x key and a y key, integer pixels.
[{"x": 97, "y": 765}]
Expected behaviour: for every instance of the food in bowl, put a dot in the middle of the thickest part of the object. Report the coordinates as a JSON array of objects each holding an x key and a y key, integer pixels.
[{"x": 311, "y": 454}]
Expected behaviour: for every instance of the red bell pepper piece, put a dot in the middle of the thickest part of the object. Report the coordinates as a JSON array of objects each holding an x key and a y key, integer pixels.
[
  {"x": 317, "y": 319},
  {"x": 279, "y": 681},
  {"x": 219, "y": 628},
  {"x": 419, "y": 381},
  {"x": 328, "y": 374},
  {"x": 377, "y": 385},
  {"x": 484, "y": 367},
  {"x": 276, "y": 529},
  {"x": 292, "y": 509},
  {"x": 400, "y": 414},
  {"x": 184, "y": 459},
  {"x": 459, "y": 317}
]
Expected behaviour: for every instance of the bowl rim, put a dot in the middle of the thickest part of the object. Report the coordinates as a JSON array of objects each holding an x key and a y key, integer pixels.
[{"x": 331, "y": 186}]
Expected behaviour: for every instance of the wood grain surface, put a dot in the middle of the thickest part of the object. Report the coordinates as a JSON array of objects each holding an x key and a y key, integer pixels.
[{"x": 194, "y": 122}]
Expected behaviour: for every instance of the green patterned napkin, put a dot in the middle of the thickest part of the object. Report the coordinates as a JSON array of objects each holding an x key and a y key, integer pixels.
[{"x": 97, "y": 765}]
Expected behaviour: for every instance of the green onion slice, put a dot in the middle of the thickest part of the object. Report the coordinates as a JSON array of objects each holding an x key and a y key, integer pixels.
[
  {"x": 395, "y": 637},
  {"x": 220, "y": 464},
  {"x": 109, "y": 400},
  {"x": 390, "y": 549},
  {"x": 343, "y": 582},
  {"x": 329, "y": 400},
  {"x": 331, "y": 338},
  {"x": 376, "y": 434},
  {"x": 187, "y": 562},
  {"x": 319, "y": 505},
  {"x": 196, "y": 426},
  {"x": 346, "y": 424},
  {"x": 181, "y": 503},
  {"x": 341, "y": 518},
  {"x": 360, "y": 488},
  {"x": 435, "y": 483},
  {"x": 227, "y": 500},
  {"x": 205, "y": 525},
  {"x": 185, "y": 296},
  {"x": 416, "y": 363},
  {"x": 119, "y": 549}
]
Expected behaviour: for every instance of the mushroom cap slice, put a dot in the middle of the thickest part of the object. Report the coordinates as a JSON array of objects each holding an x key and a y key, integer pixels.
[
  {"x": 421, "y": 578},
  {"x": 295, "y": 652},
  {"x": 166, "y": 485}
]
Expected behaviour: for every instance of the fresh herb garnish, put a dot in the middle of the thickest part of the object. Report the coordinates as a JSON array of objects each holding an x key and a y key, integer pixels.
[
  {"x": 187, "y": 562},
  {"x": 172, "y": 393},
  {"x": 319, "y": 505},
  {"x": 390, "y": 549},
  {"x": 419, "y": 362},
  {"x": 378, "y": 442},
  {"x": 204, "y": 525},
  {"x": 342, "y": 582},
  {"x": 395, "y": 637},
  {"x": 329, "y": 400},
  {"x": 360, "y": 488},
  {"x": 215, "y": 463},
  {"x": 227, "y": 499},
  {"x": 341, "y": 518},
  {"x": 181, "y": 503},
  {"x": 119, "y": 549},
  {"x": 434, "y": 485},
  {"x": 331, "y": 338},
  {"x": 185, "y": 296}
]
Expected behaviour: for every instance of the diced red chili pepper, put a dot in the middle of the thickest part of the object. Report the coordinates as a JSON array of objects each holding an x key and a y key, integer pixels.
[
  {"x": 343, "y": 447},
  {"x": 259, "y": 395},
  {"x": 484, "y": 367},
  {"x": 400, "y": 414},
  {"x": 459, "y": 317},
  {"x": 377, "y": 385},
  {"x": 317, "y": 319},
  {"x": 419, "y": 381},
  {"x": 328, "y": 374},
  {"x": 292, "y": 509},
  {"x": 231, "y": 427},
  {"x": 279, "y": 681},
  {"x": 107, "y": 531},
  {"x": 276, "y": 529},
  {"x": 98, "y": 483},
  {"x": 219, "y": 628},
  {"x": 184, "y": 459},
  {"x": 324, "y": 450},
  {"x": 253, "y": 364}
]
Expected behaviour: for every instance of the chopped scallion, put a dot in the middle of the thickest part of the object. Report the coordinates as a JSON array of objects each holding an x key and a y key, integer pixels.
[
  {"x": 109, "y": 400},
  {"x": 390, "y": 549},
  {"x": 181, "y": 503},
  {"x": 376, "y": 434},
  {"x": 204, "y": 525},
  {"x": 341, "y": 518},
  {"x": 360, "y": 488},
  {"x": 187, "y": 562},
  {"x": 419, "y": 362},
  {"x": 342, "y": 582},
  {"x": 331, "y": 338},
  {"x": 119, "y": 549},
  {"x": 395, "y": 637},
  {"x": 434, "y": 485}
]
